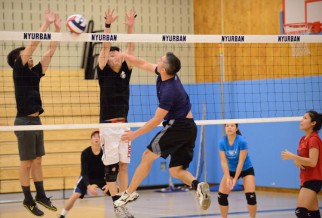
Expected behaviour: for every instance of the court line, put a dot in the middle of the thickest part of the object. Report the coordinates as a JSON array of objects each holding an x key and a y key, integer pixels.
[{"x": 233, "y": 213}]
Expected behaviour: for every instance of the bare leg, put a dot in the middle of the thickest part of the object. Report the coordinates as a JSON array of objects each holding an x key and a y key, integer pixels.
[
  {"x": 307, "y": 199},
  {"x": 36, "y": 170},
  {"x": 123, "y": 178},
  {"x": 225, "y": 190},
  {"x": 142, "y": 170},
  {"x": 71, "y": 201},
  {"x": 249, "y": 185},
  {"x": 24, "y": 172},
  {"x": 179, "y": 173}
]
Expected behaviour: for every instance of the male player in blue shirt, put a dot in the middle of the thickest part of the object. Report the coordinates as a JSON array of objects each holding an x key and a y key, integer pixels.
[{"x": 178, "y": 136}]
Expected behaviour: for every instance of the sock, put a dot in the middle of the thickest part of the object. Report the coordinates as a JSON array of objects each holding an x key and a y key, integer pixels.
[
  {"x": 27, "y": 194},
  {"x": 64, "y": 212},
  {"x": 194, "y": 184},
  {"x": 40, "y": 189},
  {"x": 116, "y": 197}
]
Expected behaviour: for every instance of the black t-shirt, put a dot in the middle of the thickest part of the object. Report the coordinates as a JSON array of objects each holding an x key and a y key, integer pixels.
[
  {"x": 27, "y": 93},
  {"x": 92, "y": 166},
  {"x": 114, "y": 92}
]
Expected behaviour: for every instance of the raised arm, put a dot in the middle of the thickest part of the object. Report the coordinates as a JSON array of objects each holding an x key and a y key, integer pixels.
[
  {"x": 28, "y": 51},
  {"x": 139, "y": 62},
  {"x": 45, "y": 61},
  {"x": 104, "y": 54},
  {"x": 130, "y": 21}
]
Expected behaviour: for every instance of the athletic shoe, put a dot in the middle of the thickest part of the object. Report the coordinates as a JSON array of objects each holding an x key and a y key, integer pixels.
[
  {"x": 125, "y": 198},
  {"x": 61, "y": 216},
  {"x": 133, "y": 197},
  {"x": 119, "y": 212},
  {"x": 126, "y": 211},
  {"x": 203, "y": 194},
  {"x": 32, "y": 208},
  {"x": 46, "y": 203}
]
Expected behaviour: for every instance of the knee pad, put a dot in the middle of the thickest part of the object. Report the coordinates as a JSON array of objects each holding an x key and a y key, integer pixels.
[
  {"x": 314, "y": 214},
  {"x": 251, "y": 198},
  {"x": 301, "y": 212},
  {"x": 222, "y": 199},
  {"x": 111, "y": 172}
]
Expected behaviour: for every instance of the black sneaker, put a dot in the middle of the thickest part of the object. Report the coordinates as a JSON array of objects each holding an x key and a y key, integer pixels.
[
  {"x": 32, "y": 208},
  {"x": 46, "y": 203},
  {"x": 61, "y": 216}
]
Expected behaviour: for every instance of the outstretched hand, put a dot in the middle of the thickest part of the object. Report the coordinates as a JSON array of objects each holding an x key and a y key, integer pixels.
[
  {"x": 49, "y": 16},
  {"x": 130, "y": 18},
  {"x": 109, "y": 16},
  {"x": 57, "y": 22},
  {"x": 128, "y": 136}
]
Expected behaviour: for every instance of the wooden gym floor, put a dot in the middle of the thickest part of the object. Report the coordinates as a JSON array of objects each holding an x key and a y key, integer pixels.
[{"x": 153, "y": 204}]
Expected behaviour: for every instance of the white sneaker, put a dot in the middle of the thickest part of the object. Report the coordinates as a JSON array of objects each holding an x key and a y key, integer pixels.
[
  {"x": 127, "y": 212},
  {"x": 133, "y": 197},
  {"x": 126, "y": 198},
  {"x": 203, "y": 194},
  {"x": 119, "y": 212}
]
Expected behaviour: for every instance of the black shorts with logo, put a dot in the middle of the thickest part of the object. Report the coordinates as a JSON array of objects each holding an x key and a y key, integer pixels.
[{"x": 177, "y": 139}]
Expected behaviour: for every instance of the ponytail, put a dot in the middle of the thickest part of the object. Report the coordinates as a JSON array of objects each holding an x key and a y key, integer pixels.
[{"x": 238, "y": 132}]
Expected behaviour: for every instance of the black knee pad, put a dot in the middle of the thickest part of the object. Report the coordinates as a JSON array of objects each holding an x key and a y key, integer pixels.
[
  {"x": 251, "y": 198},
  {"x": 314, "y": 214},
  {"x": 301, "y": 212},
  {"x": 111, "y": 172},
  {"x": 222, "y": 199}
]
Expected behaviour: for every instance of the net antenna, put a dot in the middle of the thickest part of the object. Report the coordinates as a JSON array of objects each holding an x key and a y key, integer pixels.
[
  {"x": 202, "y": 157},
  {"x": 301, "y": 17}
]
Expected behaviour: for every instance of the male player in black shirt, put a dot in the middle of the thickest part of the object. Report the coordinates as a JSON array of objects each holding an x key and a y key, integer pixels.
[
  {"x": 92, "y": 173},
  {"x": 114, "y": 79},
  {"x": 26, "y": 79}
]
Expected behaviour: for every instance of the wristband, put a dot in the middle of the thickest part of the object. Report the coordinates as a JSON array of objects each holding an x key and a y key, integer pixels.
[{"x": 107, "y": 25}]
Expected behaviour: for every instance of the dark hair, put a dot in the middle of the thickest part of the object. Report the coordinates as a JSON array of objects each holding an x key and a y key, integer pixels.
[
  {"x": 315, "y": 116},
  {"x": 95, "y": 132},
  {"x": 114, "y": 48},
  {"x": 237, "y": 132},
  {"x": 174, "y": 64},
  {"x": 13, "y": 55}
]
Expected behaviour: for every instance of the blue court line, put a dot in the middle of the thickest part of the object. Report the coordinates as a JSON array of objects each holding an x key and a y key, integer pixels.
[{"x": 233, "y": 213}]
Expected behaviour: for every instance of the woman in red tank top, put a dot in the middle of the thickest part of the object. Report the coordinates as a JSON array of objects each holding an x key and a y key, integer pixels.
[{"x": 309, "y": 160}]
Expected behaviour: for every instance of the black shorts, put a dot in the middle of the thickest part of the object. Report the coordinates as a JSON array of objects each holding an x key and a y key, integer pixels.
[
  {"x": 82, "y": 188},
  {"x": 314, "y": 185},
  {"x": 249, "y": 171},
  {"x": 30, "y": 143},
  {"x": 177, "y": 139}
]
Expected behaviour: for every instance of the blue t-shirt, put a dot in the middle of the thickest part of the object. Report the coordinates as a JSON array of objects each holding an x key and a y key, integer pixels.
[
  {"x": 232, "y": 152},
  {"x": 173, "y": 97}
]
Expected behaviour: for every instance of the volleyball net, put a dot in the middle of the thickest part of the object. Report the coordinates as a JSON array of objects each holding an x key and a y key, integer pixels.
[{"x": 242, "y": 78}]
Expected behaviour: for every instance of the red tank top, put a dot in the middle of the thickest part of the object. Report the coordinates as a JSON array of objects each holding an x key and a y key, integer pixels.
[{"x": 310, "y": 173}]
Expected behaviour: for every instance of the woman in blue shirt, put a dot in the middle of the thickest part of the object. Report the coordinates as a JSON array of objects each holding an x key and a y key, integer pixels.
[{"x": 235, "y": 163}]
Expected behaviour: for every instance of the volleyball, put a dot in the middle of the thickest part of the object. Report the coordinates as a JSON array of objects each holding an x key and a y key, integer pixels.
[{"x": 76, "y": 23}]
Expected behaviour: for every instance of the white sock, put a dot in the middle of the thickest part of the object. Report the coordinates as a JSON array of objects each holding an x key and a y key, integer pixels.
[{"x": 64, "y": 212}]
